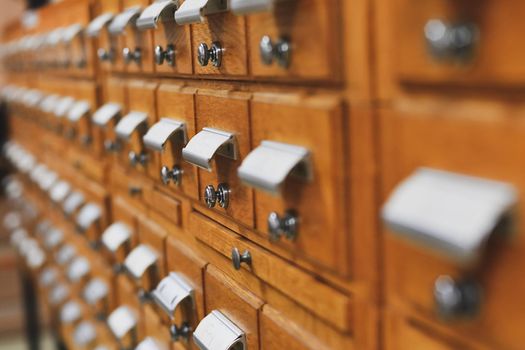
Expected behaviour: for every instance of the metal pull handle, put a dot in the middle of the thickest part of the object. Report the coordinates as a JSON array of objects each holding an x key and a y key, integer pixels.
[
  {"x": 213, "y": 54},
  {"x": 279, "y": 51},
  {"x": 238, "y": 258},
  {"x": 448, "y": 41},
  {"x": 282, "y": 226},
  {"x": 167, "y": 55},
  {"x": 456, "y": 298},
  {"x": 136, "y": 158},
  {"x": 221, "y": 195}
]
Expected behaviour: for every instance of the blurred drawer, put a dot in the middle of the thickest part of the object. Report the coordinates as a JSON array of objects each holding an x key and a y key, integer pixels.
[
  {"x": 93, "y": 216},
  {"x": 224, "y": 116},
  {"x": 176, "y": 104},
  {"x": 105, "y": 119},
  {"x": 132, "y": 127},
  {"x": 239, "y": 306},
  {"x": 189, "y": 267},
  {"x": 138, "y": 42},
  {"x": 78, "y": 117},
  {"x": 328, "y": 304},
  {"x": 297, "y": 39},
  {"x": 165, "y": 205},
  {"x": 401, "y": 333},
  {"x": 460, "y": 142},
  {"x": 296, "y": 168},
  {"x": 457, "y": 41},
  {"x": 222, "y": 33},
  {"x": 132, "y": 188},
  {"x": 155, "y": 329},
  {"x": 104, "y": 43}
]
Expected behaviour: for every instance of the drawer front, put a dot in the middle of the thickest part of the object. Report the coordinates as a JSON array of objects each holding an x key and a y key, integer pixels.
[
  {"x": 168, "y": 36},
  {"x": 228, "y": 31},
  {"x": 123, "y": 212},
  {"x": 315, "y": 124},
  {"x": 82, "y": 129},
  {"x": 135, "y": 39},
  {"x": 141, "y": 98},
  {"x": 309, "y": 30},
  {"x": 412, "y": 139},
  {"x": 133, "y": 188},
  {"x": 401, "y": 333},
  {"x": 178, "y": 103},
  {"x": 227, "y": 113},
  {"x": 481, "y": 61},
  {"x": 113, "y": 91},
  {"x": 154, "y": 328},
  {"x": 325, "y": 302},
  {"x": 154, "y": 236},
  {"x": 182, "y": 260},
  {"x": 238, "y": 305},
  {"x": 165, "y": 205}
]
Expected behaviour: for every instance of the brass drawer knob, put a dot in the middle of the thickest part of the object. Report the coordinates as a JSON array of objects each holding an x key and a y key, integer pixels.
[
  {"x": 221, "y": 195},
  {"x": 279, "y": 51},
  {"x": 456, "y": 298},
  {"x": 167, "y": 55},
  {"x": 213, "y": 54},
  {"x": 282, "y": 226},
  {"x": 238, "y": 258},
  {"x": 174, "y": 174},
  {"x": 447, "y": 41},
  {"x": 130, "y": 55}
]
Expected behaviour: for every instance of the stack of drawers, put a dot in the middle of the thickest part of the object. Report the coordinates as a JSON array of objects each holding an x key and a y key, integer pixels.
[
  {"x": 193, "y": 159},
  {"x": 215, "y": 174}
]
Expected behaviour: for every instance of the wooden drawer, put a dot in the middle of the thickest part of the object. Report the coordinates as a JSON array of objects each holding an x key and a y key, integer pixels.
[
  {"x": 154, "y": 328},
  {"x": 486, "y": 63},
  {"x": 404, "y": 333},
  {"x": 80, "y": 131},
  {"x": 178, "y": 103},
  {"x": 229, "y": 31},
  {"x": 184, "y": 261},
  {"x": 170, "y": 36},
  {"x": 165, "y": 205},
  {"x": 327, "y": 303},
  {"x": 135, "y": 39},
  {"x": 103, "y": 41},
  {"x": 133, "y": 188},
  {"x": 113, "y": 92},
  {"x": 318, "y": 200},
  {"x": 227, "y": 111},
  {"x": 141, "y": 98},
  {"x": 123, "y": 213},
  {"x": 310, "y": 28},
  {"x": 471, "y": 140},
  {"x": 92, "y": 225},
  {"x": 280, "y": 332},
  {"x": 238, "y": 305}
]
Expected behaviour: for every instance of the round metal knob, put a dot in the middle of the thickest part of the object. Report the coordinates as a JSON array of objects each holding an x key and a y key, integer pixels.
[
  {"x": 110, "y": 146},
  {"x": 221, "y": 195},
  {"x": 213, "y": 54},
  {"x": 279, "y": 51},
  {"x": 456, "y": 298},
  {"x": 168, "y": 175},
  {"x": 167, "y": 55},
  {"x": 137, "y": 158},
  {"x": 450, "y": 41},
  {"x": 85, "y": 140},
  {"x": 130, "y": 55},
  {"x": 105, "y": 54},
  {"x": 134, "y": 190},
  {"x": 183, "y": 331},
  {"x": 238, "y": 259},
  {"x": 282, "y": 226}
]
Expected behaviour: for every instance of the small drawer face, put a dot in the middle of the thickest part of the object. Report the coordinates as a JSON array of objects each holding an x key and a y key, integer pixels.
[
  {"x": 105, "y": 43},
  {"x": 154, "y": 236},
  {"x": 142, "y": 99},
  {"x": 135, "y": 39},
  {"x": 113, "y": 92},
  {"x": 406, "y": 334},
  {"x": 238, "y": 305},
  {"x": 227, "y": 114},
  {"x": 182, "y": 261},
  {"x": 228, "y": 31},
  {"x": 411, "y": 140},
  {"x": 154, "y": 328},
  {"x": 82, "y": 129},
  {"x": 170, "y": 36},
  {"x": 177, "y": 103},
  {"x": 426, "y": 52},
  {"x": 302, "y": 36},
  {"x": 124, "y": 213},
  {"x": 318, "y": 202}
]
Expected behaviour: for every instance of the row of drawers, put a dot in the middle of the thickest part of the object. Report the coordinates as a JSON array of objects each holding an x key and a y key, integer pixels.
[
  {"x": 208, "y": 145},
  {"x": 150, "y": 252},
  {"x": 214, "y": 38}
]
